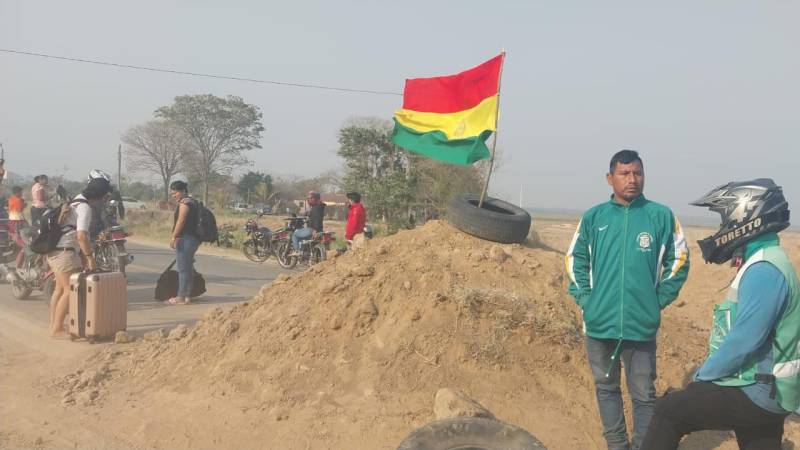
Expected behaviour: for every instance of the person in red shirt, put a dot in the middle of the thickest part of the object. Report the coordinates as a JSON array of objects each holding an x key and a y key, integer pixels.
[{"x": 356, "y": 217}]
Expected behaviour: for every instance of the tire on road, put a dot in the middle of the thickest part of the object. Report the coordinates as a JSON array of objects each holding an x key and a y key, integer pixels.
[
  {"x": 470, "y": 433},
  {"x": 496, "y": 220},
  {"x": 282, "y": 254},
  {"x": 251, "y": 250},
  {"x": 20, "y": 291}
]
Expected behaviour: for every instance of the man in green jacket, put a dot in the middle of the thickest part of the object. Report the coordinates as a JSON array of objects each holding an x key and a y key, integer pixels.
[{"x": 627, "y": 261}]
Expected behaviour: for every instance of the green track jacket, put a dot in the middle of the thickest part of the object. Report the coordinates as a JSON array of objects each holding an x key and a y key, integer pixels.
[{"x": 625, "y": 264}]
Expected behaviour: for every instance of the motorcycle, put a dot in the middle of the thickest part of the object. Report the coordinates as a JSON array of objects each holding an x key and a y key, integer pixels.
[
  {"x": 10, "y": 245},
  {"x": 312, "y": 251},
  {"x": 261, "y": 241},
  {"x": 109, "y": 249},
  {"x": 30, "y": 272},
  {"x": 109, "y": 245}
]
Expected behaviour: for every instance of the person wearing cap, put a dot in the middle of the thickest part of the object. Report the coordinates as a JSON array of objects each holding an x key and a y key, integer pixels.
[
  {"x": 74, "y": 250},
  {"x": 356, "y": 216},
  {"x": 627, "y": 261},
  {"x": 750, "y": 381},
  {"x": 316, "y": 215}
]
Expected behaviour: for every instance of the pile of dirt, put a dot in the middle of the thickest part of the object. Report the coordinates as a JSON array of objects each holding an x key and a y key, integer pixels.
[{"x": 351, "y": 353}]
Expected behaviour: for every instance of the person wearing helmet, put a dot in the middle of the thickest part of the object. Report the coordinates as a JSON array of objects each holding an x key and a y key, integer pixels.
[
  {"x": 316, "y": 215},
  {"x": 103, "y": 214},
  {"x": 356, "y": 216},
  {"x": 750, "y": 381},
  {"x": 627, "y": 261}
]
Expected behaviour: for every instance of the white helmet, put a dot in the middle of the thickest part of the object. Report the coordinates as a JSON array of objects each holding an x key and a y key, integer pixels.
[{"x": 97, "y": 173}]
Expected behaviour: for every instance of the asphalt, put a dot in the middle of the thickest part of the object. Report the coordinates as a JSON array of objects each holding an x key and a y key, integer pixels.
[{"x": 229, "y": 280}]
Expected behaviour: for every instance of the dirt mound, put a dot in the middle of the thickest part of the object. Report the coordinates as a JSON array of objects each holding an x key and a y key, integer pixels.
[{"x": 351, "y": 353}]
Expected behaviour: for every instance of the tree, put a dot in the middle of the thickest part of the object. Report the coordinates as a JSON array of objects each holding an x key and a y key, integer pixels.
[
  {"x": 438, "y": 182},
  {"x": 157, "y": 147},
  {"x": 378, "y": 169},
  {"x": 219, "y": 129},
  {"x": 255, "y": 184}
]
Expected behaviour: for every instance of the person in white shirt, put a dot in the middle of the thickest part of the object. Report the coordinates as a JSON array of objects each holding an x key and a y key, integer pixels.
[{"x": 74, "y": 250}]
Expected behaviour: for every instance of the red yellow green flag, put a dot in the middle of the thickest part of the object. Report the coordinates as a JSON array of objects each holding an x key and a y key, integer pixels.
[{"x": 449, "y": 118}]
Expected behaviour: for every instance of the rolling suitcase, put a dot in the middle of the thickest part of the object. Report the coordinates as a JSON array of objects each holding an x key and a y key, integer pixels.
[{"x": 98, "y": 305}]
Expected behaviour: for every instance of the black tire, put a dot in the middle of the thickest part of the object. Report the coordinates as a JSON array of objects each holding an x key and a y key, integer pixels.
[
  {"x": 496, "y": 220},
  {"x": 47, "y": 289},
  {"x": 318, "y": 254},
  {"x": 253, "y": 252},
  {"x": 120, "y": 254},
  {"x": 282, "y": 253},
  {"x": 470, "y": 433},
  {"x": 20, "y": 291}
]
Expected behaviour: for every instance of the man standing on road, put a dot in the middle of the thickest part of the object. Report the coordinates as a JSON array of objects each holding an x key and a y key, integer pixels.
[
  {"x": 356, "y": 216},
  {"x": 627, "y": 261},
  {"x": 750, "y": 381},
  {"x": 316, "y": 215}
]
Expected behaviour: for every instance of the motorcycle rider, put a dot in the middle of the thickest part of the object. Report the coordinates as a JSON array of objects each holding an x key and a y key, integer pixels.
[
  {"x": 38, "y": 198},
  {"x": 103, "y": 215},
  {"x": 316, "y": 216},
  {"x": 16, "y": 217},
  {"x": 750, "y": 381}
]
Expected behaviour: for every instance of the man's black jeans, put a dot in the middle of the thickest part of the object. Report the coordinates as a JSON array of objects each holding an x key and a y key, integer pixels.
[{"x": 706, "y": 406}]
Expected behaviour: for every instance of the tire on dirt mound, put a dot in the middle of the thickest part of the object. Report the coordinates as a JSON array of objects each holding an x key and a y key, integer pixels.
[
  {"x": 470, "y": 433},
  {"x": 496, "y": 220}
]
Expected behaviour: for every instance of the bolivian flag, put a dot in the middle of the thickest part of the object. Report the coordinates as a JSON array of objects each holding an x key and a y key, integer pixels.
[{"x": 449, "y": 118}]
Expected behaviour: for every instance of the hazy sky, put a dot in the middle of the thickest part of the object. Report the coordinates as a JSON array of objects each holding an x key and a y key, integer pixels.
[{"x": 707, "y": 91}]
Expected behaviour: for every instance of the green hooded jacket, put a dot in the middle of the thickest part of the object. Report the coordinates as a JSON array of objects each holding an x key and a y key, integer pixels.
[{"x": 626, "y": 264}]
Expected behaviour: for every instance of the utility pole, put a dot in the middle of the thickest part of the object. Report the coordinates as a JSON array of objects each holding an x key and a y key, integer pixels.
[{"x": 119, "y": 169}]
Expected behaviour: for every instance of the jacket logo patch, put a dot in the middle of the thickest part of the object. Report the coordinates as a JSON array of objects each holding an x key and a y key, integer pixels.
[{"x": 644, "y": 239}]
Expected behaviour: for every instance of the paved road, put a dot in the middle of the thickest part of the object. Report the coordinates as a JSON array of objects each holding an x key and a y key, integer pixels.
[{"x": 228, "y": 280}]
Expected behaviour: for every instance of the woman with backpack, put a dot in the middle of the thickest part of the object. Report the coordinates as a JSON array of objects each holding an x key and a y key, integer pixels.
[
  {"x": 184, "y": 240},
  {"x": 38, "y": 198},
  {"x": 74, "y": 242}
]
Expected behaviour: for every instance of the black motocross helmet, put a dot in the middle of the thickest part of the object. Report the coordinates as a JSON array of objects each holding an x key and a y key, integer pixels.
[{"x": 748, "y": 209}]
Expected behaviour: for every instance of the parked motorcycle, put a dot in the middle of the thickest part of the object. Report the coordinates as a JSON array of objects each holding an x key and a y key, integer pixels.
[
  {"x": 260, "y": 243},
  {"x": 109, "y": 249},
  {"x": 312, "y": 251},
  {"x": 30, "y": 271}
]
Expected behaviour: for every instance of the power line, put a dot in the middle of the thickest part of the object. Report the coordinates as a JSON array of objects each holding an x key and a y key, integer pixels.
[{"x": 197, "y": 74}]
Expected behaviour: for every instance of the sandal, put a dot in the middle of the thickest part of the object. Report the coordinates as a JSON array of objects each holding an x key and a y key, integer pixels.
[{"x": 175, "y": 301}]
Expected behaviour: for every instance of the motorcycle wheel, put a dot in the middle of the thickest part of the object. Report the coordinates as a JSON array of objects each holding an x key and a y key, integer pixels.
[
  {"x": 20, "y": 291},
  {"x": 47, "y": 290},
  {"x": 253, "y": 252},
  {"x": 108, "y": 258},
  {"x": 318, "y": 255},
  {"x": 120, "y": 256},
  {"x": 282, "y": 253}
]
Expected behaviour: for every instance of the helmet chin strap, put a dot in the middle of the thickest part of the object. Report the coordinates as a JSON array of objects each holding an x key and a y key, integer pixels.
[{"x": 737, "y": 260}]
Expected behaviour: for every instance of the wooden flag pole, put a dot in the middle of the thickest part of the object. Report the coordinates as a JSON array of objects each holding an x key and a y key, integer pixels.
[{"x": 494, "y": 138}]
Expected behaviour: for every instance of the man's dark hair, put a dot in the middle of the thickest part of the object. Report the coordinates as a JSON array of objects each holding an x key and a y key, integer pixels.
[
  {"x": 354, "y": 196},
  {"x": 179, "y": 186},
  {"x": 624, "y": 157},
  {"x": 16, "y": 190}
]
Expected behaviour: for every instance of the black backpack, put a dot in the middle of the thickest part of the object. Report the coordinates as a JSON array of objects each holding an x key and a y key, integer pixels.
[
  {"x": 51, "y": 228},
  {"x": 206, "y": 224}
]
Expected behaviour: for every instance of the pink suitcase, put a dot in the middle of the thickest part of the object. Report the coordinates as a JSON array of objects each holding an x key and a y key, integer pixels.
[{"x": 98, "y": 305}]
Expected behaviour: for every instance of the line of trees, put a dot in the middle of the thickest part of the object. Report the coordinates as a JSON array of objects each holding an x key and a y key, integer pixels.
[
  {"x": 202, "y": 136},
  {"x": 205, "y": 137}
]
